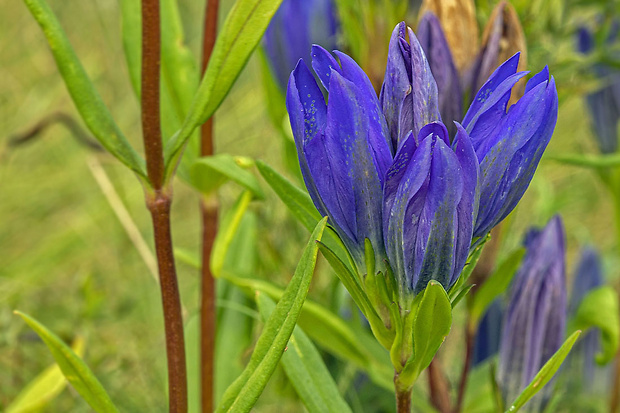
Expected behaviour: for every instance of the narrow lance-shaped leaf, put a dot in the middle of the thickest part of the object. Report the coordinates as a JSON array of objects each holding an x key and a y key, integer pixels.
[
  {"x": 545, "y": 374},
  {"x": 44, "y": 388},
  {"x": 227, "y": 231},
  {"x": 245, "y": 391},
  {"x": 301, "y": 206},
  {"x": 75, "y": 370},
  {"x": 131, "y": 22},
  {"x": 306, "y": 370},
  {"x": 86, "y": 98},
  {"x": 210, "y": 172},
  {"x": 242, "y": 31},
  {"x": 331, "y": 333}
]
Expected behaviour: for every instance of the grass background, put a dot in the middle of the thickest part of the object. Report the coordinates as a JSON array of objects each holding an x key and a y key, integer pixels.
[{"x": 66, "y": 260}]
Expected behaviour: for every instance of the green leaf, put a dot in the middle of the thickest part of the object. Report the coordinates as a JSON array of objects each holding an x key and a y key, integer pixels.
[
  {"x": 306, "y": 370},
  {"x": 209, "y": 173},
  {"x": 431, "y": 326},
  {"x": 545, "y": 374},
  {"x": 599, "y": 308},
  {"x": 588, "y": 161},
  {"x": 74, "y": 369},
  {"x": 131, "y": 23},
  {"x": 495, "y": 285},
  {"x": 301, "y": 206},
  {"x": 472, "y": 260},
  {"x": 331, "y": 333},
  {"x": 242, "y": 31},
  {"x": 245, "y": 391},
  {"x": 44, "y": 388},
  {"x": 227, "y": 231},
  {"x": 86, "y": 98}
]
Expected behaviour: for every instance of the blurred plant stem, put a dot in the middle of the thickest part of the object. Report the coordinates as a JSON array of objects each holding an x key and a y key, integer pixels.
[
  {"x": 438, "y": 387},
  {"x": 209, "y": 208},
  {"x": 403, "y": 398},
  {"x": 470, "y": 335},
  {"x": 158, "y": 200}
]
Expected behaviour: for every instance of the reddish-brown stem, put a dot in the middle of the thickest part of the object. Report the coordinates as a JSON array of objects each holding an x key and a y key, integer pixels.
[
  {"x": 438, "y": 386},
  {"x": 159, "y": 205},
  {"x": 158, "y": 199},
  {"x": 209, "y": 209},
  {"x": 403, "y": 397},
  {"x": 469, "y": 344}
]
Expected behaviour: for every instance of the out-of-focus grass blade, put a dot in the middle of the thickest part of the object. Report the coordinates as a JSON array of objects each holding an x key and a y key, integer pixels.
[
  {"x": 306, "y": 370},
  {"x": 599, "y": 308},
  {"x": 227, "y": 231},
  {"x": 301, "y": 206},
  {"x": 73, "y": 367},
  {"x": 331, "y": 333},
  {"x": 242, "y": 31},
  {"x": 44, "y": 388},
  {"x": 545, "y": 374},
  {"x": 245, "y": 391},
  {"x": 495, "y": 285},
  {"x": 86, "y": 98},
  {"x": 588, "y": 161},
  {"x": 210, "y": 172}
]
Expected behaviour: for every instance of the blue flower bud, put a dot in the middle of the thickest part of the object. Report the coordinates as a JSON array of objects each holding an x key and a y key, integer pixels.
[
  {"x": 509, "y": 143},
  {"x": 433, "y": 41},
  {"x": 409, "y": 93},
  {"x": 604, "y": 103},
  {"x": 535, "y": 320},
  {"x": 429, "y": 206},
  {"x": 487, "y": 337},
  {"x": 588, "y": 276},
  {"x": 294, "y": 28},
  {"x": 343, "y": 147}
]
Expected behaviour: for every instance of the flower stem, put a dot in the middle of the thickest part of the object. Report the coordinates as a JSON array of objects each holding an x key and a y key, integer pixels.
[
  {"x": 158, "y": 200},
  {"x": 403, "y": 397},
  {"x": 438, "y": 386},
  {"x": 208, "y": 209},
  {"x": 469, "y": 344}
]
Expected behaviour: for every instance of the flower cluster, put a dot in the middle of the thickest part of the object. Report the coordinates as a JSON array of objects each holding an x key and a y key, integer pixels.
[{"x": 386, "y": 168}]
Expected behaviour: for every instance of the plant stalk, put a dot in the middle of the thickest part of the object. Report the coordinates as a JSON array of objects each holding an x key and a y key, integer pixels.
[
  {"x": 158, "y": 200},
  {"x": 438, "y": 387},
  {"x": 403, "y": 397},
  {"x": 469, "y": 346},
  {"x": 209, "y": 212}
]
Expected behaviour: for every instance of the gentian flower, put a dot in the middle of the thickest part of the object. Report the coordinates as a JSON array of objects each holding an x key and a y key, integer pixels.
[
  {"x": 387, "y": 169},
  {"x": 409, "y": 93},
  {"x": 294, "y": 28},
  {"x": 343, "y": 147},
  {"x": 604, "y": 103},
  {"x": 509, "y": 143},
  {"x": 588, "y": 276},
  {"x": 535, "y": 320},
  {"x": 437, "y": 51}
]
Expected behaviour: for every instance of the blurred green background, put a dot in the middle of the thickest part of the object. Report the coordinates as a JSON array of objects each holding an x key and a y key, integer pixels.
[{"x": 66, "y": 259}]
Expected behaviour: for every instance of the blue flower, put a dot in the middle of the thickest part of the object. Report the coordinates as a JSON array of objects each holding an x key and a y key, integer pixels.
[
  {"x": 535, "y": 320},
  {"x": 429, "y": 205},
  {"x": 433, "y": 41},
  {"x": 509, "y": 142},
  {"x": 387, "y": 170},
  {"x": 343, "y": 147},
  {"x": 294, "y": 28},
  {"x": 588, "y": 276},
  {"x": 604, "y": 103}
]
